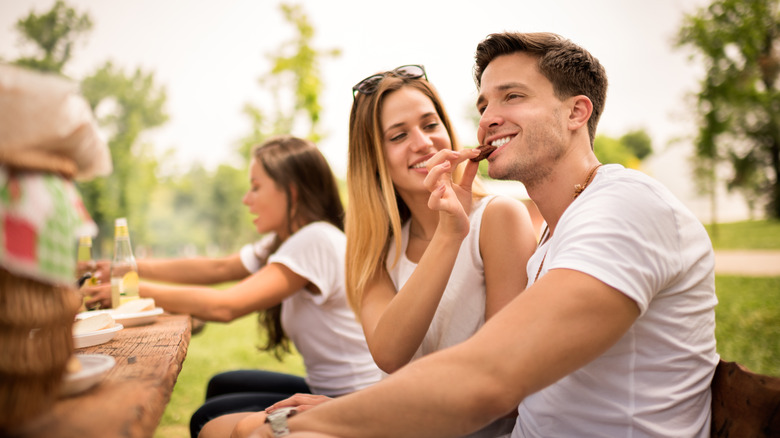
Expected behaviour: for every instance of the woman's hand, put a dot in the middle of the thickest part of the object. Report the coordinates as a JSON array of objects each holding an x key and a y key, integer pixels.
[
  {"x": 97, "y": 297},
  {"x": 252, "y": 425},
  {"x": 452, "y": 201},
  {"x": 302, "y": 402}
]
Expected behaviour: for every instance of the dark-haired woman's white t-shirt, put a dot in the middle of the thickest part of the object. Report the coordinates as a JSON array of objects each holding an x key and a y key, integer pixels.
[{"x": 322, "y": 326}]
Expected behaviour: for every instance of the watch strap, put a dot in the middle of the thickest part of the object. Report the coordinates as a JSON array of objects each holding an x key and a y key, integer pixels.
[{"x": 278, "y": 421}]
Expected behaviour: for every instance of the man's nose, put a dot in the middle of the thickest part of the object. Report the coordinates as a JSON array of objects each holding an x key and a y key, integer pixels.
[{"x": 490, "y": 118}]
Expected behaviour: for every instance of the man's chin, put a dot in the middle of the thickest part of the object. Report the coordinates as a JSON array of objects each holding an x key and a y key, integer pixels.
[{"x": 496, "y": 171}]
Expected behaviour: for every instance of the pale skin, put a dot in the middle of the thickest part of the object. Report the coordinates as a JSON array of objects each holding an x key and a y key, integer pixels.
[
  {"x": 560, "y": 323},
  {"x": 261, "y": 290}
]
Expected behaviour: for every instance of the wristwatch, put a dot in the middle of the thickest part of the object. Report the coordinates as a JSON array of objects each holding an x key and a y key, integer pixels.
[{"x": 278, "y": 421}]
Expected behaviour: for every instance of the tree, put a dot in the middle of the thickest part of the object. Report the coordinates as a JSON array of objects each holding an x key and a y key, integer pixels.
[
  {"x": 738, "y": 103},
  {"x": 129, "y": 104},
  {"x": 613, "y": 150},
  {"x": 126, "y": 105},
  {"x": 638, "y": 142},
  {"x": 295, "y": 67},
  {"x": 53, "y": 33}
]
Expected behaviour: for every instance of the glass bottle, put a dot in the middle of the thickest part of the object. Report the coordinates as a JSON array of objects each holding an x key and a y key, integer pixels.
[
  {"x": 124, "y": 270},
  {"x": 85, "y": 267}
]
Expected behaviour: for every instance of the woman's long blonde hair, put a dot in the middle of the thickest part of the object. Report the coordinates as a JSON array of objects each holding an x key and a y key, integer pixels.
[{"x": 375, "y": 211}]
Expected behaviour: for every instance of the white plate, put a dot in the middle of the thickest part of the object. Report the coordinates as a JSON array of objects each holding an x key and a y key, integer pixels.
[
  {"x": 128, "y": 319},
  {"x": 93, "y": 368},
  {"x": 97, "y": 337}
]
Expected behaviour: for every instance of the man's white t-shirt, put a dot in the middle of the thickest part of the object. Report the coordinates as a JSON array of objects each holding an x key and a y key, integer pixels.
[
  {"x": 322, "y": 326},
  {"x": 630, "y": 232}
]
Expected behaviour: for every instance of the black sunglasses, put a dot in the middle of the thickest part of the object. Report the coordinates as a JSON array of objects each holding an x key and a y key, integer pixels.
[{"x": 369, "y": 84}]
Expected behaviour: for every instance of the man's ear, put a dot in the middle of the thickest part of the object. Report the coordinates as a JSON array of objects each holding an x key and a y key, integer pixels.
[{"x": 579, "y": 112}]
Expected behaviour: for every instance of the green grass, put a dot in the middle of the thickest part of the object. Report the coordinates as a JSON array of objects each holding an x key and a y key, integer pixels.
[
  {"x": 764, "y": 234},
  {"x": 748, "y": 322},
  {"x": 219, "y": 347}
]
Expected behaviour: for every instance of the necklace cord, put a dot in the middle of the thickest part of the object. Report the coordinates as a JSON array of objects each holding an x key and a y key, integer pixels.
[{"x": 578, "y": 188}]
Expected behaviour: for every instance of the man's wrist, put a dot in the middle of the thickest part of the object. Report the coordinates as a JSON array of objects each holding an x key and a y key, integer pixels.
[
  {"x": 265, "y": 431},
  {"x": 277, "y": 420}
]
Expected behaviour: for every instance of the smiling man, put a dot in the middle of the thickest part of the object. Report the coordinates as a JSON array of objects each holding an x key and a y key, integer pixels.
[{"x": 614, "y": 334}]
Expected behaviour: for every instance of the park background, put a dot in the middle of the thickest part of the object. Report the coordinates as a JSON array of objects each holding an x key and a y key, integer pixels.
[
  {"x": 202, "y": 61},
  {"x": 205, "y": 80}
]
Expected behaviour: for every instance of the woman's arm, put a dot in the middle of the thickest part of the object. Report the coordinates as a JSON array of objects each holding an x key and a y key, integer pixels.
[
  {"x": 396, "y": 323},
  {"x": 261, "y": 290},
  {"x": 506, "y": 241},
  {"x": 198, "y": 270}
]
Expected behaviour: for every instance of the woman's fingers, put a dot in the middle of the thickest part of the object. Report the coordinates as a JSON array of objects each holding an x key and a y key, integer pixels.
[
  {"x": 440, "y": 166},
  {"x": 302, "y": 401},
  {"x": 469, "y": 173},
  {"x": 438, "y": 175}
]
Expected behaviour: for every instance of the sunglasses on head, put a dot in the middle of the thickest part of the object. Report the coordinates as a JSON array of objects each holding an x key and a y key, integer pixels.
[{"x": 369, "y": 84}]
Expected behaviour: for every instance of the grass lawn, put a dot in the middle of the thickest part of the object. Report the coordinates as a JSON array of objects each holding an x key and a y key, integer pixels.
[
  {"x": 219, "y": 347},
  {"x": 747, "y": 322},
  {"x": 763, "y": 234}
]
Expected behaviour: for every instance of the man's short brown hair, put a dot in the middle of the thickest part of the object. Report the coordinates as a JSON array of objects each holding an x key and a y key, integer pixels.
[{"x": 572, "y": 70}]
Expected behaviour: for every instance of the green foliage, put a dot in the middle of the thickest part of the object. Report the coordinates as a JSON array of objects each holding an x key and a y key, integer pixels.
[
  {"x": 612, "y": 150},
  {"x": 197, "y": 213},
  {"x": 629, "y": 150},
  {"x": 53, "y": 33},
  {"x": 638, "y": 142},
  {"x": 220, "y": 347},
  {"x": 295, "y": 68},
  {"x": 746, "y": 319},
  {"x": 227, "y": 214},
  {"x": 745, "y": 235},
  {"x": 126, "y": 105},
  {"x": 738, "y": 99}
]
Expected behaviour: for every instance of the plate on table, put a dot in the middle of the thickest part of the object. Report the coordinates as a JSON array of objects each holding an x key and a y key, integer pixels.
[
  {"x": 128, "y": 319},
  {"x": 97, "y": 337},
  {"x": 93, "y": 368}
]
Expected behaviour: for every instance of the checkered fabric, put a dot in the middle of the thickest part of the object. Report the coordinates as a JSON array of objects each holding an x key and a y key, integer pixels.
[{"x": 41, "y": 217}]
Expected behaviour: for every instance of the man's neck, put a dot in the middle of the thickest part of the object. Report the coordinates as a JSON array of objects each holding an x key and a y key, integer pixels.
[{"x": 554, "y": 195}]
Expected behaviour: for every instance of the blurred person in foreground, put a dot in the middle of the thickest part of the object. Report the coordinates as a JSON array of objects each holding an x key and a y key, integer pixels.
[
  {"x": 294, "y": 276},
  {"x": 614, "y": 335}
]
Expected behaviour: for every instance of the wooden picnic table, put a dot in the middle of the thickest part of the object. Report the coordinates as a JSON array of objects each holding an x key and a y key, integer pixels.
[{"x": 131, "y": 399}]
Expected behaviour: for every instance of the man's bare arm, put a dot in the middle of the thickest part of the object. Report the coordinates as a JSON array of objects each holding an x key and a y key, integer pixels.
[{"x": 558, "y": 325}]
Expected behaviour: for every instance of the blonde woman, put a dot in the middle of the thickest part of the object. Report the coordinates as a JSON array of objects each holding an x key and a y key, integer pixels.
[{"x": 416, "y": 287}]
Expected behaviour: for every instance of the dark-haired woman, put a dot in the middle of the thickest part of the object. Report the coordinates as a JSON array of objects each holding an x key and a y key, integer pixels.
[{"x": 294, "y": 275}]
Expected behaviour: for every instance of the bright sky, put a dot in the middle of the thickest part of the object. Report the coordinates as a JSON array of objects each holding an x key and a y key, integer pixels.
[{"x": 209, "y": 55}]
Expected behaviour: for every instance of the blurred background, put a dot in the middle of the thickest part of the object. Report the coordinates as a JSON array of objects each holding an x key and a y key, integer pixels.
[{"x": 183, "y": 89}]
